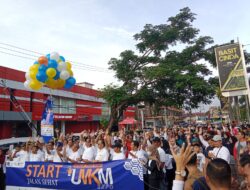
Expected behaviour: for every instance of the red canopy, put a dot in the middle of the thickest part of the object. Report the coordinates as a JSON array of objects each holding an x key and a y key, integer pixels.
[{"x": 128, "y": 121}]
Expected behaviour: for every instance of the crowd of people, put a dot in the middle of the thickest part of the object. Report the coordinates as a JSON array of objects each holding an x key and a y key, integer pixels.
[{"x": 194, "y": 157}]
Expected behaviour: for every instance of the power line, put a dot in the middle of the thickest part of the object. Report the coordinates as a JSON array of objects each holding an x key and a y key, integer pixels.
[{"x": 78, "y": 64}]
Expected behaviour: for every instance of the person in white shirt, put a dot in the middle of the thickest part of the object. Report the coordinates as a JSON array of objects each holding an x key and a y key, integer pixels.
[
  {"x": 69, "y": 146},
  {"x": 135, "y": 153},
  {"x": 162, "y": 154},
  {"x": 89, "y": 152},
  {"x": 116, "y": 152},
  {"x": 74, "y": 156},
  {"x": 34, "y": 156},
  {"x": 49, "y": 152},
  {"x": 15, "y": 154},
  {"x": 219, "y": 151},
  {"x": 102, "y": 153},
  {"x": 201, "y": 159},
  {"x": 24, "y": 156},
  {"x": 58, "y": 155}
]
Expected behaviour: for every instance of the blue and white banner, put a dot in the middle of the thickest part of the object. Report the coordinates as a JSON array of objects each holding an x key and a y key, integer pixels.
[
  {"x": 116, "y": 175},
  {"x": 47, "y": 128}
]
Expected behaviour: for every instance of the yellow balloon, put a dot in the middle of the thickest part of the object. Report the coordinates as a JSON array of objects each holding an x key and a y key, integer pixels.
[
  {"x": 60, "y": 83},
  {"x": 51, "y": 83},
  {"x": 68, "y": 65},
  {"x": 34, "y": 67},
  {"x": 71, "y": 73},
  {"x": 35, "y": 85},
  {"x": 33, "y": 74},
  {"x": 51, "y": 72}
]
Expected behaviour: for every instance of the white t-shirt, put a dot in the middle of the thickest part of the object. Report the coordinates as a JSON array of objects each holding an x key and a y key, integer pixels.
[
  {"x": 102, "y": 155},
  {"x": 168, "y": 162},
  {"x": 222, "y": 153},
  {"x": 21, "y": 156},
  {"x": 56, "y": 157},
  {"x": 36, "y": 157},
  {"x": 68, "y": 151},
  {"x": 74, "y": 155},
  {"x": 50, "y": 156},
  {"x": 42, "y": 154},
  {"x": 138, "y": 154},
  {"x": 162, "y": 156},
  {"x": 117, "y": 156},
  {"x": 89, "y": 153},
  {"x": 201, "y": 161}
]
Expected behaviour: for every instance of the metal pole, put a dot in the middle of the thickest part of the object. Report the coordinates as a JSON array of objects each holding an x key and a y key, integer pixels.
[
  {"x": 142, "y": 118},
  {"x": 165, "y": 117}
]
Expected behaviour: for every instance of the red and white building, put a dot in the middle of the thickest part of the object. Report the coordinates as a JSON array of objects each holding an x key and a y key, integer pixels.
[{"x": 75, "y": 110}]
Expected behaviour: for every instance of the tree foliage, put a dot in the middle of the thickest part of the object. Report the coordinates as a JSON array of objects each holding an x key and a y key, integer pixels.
[{"x": 170, "y": 68}]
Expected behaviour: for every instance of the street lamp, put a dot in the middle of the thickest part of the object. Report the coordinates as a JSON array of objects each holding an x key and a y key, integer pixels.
[{"x": 141, "y": 107}]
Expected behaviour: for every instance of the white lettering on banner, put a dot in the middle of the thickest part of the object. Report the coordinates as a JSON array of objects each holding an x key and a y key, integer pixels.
[
  {"x": 109, "y": 177},
  {"x": 86, "y": 175},
  {"x": 73, "y": 177},
  {"x": 47, "y": 130},
  {"x": 63, "y": 116}
]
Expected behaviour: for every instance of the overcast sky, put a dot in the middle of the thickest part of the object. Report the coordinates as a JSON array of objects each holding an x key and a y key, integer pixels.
[{"x": 93, "y": 31}]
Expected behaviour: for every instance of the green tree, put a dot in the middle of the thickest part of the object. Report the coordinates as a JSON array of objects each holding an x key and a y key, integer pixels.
[{"x": 162, "y": 72}]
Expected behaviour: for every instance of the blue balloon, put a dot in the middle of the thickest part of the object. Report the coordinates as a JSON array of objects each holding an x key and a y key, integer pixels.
[
  {"x": 62, "y": 58},
  {"x": 71, "y": 81},
  {"x": 42, "y": 68},
  {"x": 36, "y": 62},
  {"x": 67, "y": 86},
  {"x": 52, "y": 64},
  {"x": 57, "y": 75},
  {"x": 48, "y": 56},
  {"x": 41, "y": 76}
]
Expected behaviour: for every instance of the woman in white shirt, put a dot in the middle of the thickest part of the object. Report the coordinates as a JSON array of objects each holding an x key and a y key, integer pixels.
[
  {"x": 74, "y": 156},
  {"x": 89, "y": 152},
  {"x": 49, "y": 152},
  {"x": 116, "y": 152}
]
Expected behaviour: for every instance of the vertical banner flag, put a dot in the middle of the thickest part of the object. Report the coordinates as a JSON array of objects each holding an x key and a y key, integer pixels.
[
  {"x": 115, "y": 175},
  {"x": 47, "y": 128},
  {"x": 231, "y": 69}
]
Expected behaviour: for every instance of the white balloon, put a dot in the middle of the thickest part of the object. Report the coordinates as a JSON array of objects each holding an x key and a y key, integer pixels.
[
  {"x": 62, "y": 66},
  {"x": 27, "y": 76},
  {"x": 64, "y": 75},
  {"x": 27, "y": 84},
  {"x": 55, "y": 56}
]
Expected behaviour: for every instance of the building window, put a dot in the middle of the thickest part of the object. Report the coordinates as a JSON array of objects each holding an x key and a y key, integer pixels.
[{"x": 64, "y": 105}]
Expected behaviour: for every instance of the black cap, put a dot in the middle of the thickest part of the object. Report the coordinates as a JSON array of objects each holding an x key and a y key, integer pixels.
[
  {"x": 117, "y": 145},
  {"x": 156, "y": 139}
]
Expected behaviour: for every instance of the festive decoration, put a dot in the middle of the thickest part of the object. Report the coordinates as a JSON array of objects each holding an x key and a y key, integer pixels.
[{"x": 50, "y": 70}]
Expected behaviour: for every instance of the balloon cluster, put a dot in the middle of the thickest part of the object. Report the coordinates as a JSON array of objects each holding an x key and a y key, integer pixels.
[{"x": 50, "y": 70}]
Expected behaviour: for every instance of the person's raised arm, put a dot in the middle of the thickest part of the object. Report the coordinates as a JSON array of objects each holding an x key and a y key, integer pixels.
[
  {"x": 203, "y": 141},
  {"x": 181, "y": 160}
]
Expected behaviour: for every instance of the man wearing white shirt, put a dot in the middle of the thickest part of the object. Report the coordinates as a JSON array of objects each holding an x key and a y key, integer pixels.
[
  {"x": 157, "y": 144},
  {"x": 135, "y": 152},
  {"x": 89, "y": 152},
  {"x": 34, "y": 156},
  {"x": 102, "y": 153},
  {"x": 219, "y": 151},
  {"x": 24, "y": 156}
]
